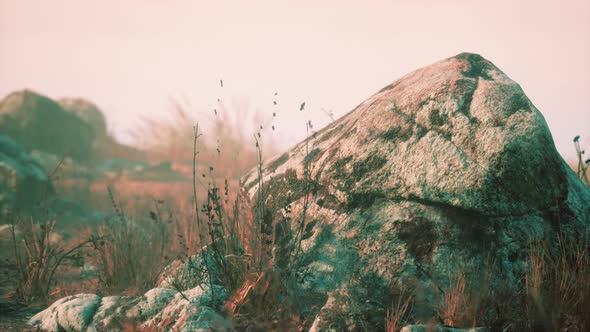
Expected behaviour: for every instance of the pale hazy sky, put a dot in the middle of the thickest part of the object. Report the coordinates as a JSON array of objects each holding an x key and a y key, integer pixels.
[{"x": 131, "y": 56}]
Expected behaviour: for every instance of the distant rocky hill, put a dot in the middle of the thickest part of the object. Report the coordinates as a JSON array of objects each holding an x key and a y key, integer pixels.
[
  {"x": 105, "y": 146},
  {"x": 40, "y": 123},
  {"x": 450, "y": 169},
  {"x": 88, "y": 112},
  {"x": 70, "y": 127},
  {"x": 36, "y": 133}
]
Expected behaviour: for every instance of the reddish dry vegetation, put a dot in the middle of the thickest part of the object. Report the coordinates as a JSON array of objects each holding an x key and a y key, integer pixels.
[{"x": 49, "y": 254}]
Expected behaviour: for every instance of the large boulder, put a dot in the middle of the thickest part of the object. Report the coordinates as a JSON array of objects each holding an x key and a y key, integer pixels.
[
  {"x": 448, "y": 168},
  {"x": 39, "y": 123},
  {"x": 23, "y": 182}
]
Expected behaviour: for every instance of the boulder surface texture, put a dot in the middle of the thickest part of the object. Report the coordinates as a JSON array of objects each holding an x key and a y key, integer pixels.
[{"x": 449, "y": 169}]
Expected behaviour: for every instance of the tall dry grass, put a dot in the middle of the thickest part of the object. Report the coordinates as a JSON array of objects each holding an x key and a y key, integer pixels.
[
  {"x": 131, "y": 253},
  {"x": 38, "y": 256},
  {"x": 198, "y": 214},
  {"x": 558, "y": 284},
  {"x": 398, "y": 315},
  {"x": 553, "y": 294},
  {"x": 38, "y": 251},
  {"x": 151, "y": 223},
  {"x": 227, "y": 143}
]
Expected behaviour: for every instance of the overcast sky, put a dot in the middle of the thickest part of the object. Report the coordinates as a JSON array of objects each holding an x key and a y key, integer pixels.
[{"x": 131, "y": 56}]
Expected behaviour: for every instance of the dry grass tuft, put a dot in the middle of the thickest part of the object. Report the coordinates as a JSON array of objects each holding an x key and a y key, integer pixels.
[
  {"x": 398, "y": 315},
  {"x": 558, "y": 284}
]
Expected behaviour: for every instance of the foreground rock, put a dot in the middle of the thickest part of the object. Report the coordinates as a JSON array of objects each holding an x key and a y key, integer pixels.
[
  {"x": 439, "y": 328},
  {"x": 449, "y": 171},
  {"x": 160, "y": 309}
]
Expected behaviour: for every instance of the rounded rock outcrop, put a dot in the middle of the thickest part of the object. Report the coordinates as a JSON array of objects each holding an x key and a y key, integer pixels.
[
  {"x": 444, "y": 170},
  {"x": 39, "y": 123}
]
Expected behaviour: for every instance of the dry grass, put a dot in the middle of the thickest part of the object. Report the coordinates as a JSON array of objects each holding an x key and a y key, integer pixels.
[
  {"x": 130, "y": 257},
  {"x": 453, "y": 305},
  {"x": 195, "y": 214},
  {"x": 226, "y": 145},
  {"x": 398, "y": 315},
  {"x": 153, "y": 222},
  {"x": 38, "y": 255},
  {"x": 558, "y": 284},
  {"x": 553, "y": 295},
  {"x": 265, "y": 302},
  {"x": 37, "y": 250}
]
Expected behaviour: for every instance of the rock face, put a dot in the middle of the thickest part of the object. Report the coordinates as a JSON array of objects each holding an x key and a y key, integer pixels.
[
  {"x": 446, "y": 169},
  {"x": 23, "y": 182},
  {"x": 39, "y": 123},
  {"x": 160, "y": 309}
]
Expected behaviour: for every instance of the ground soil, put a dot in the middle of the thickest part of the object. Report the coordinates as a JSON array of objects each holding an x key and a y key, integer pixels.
[{"x": 14, "y": 316}]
